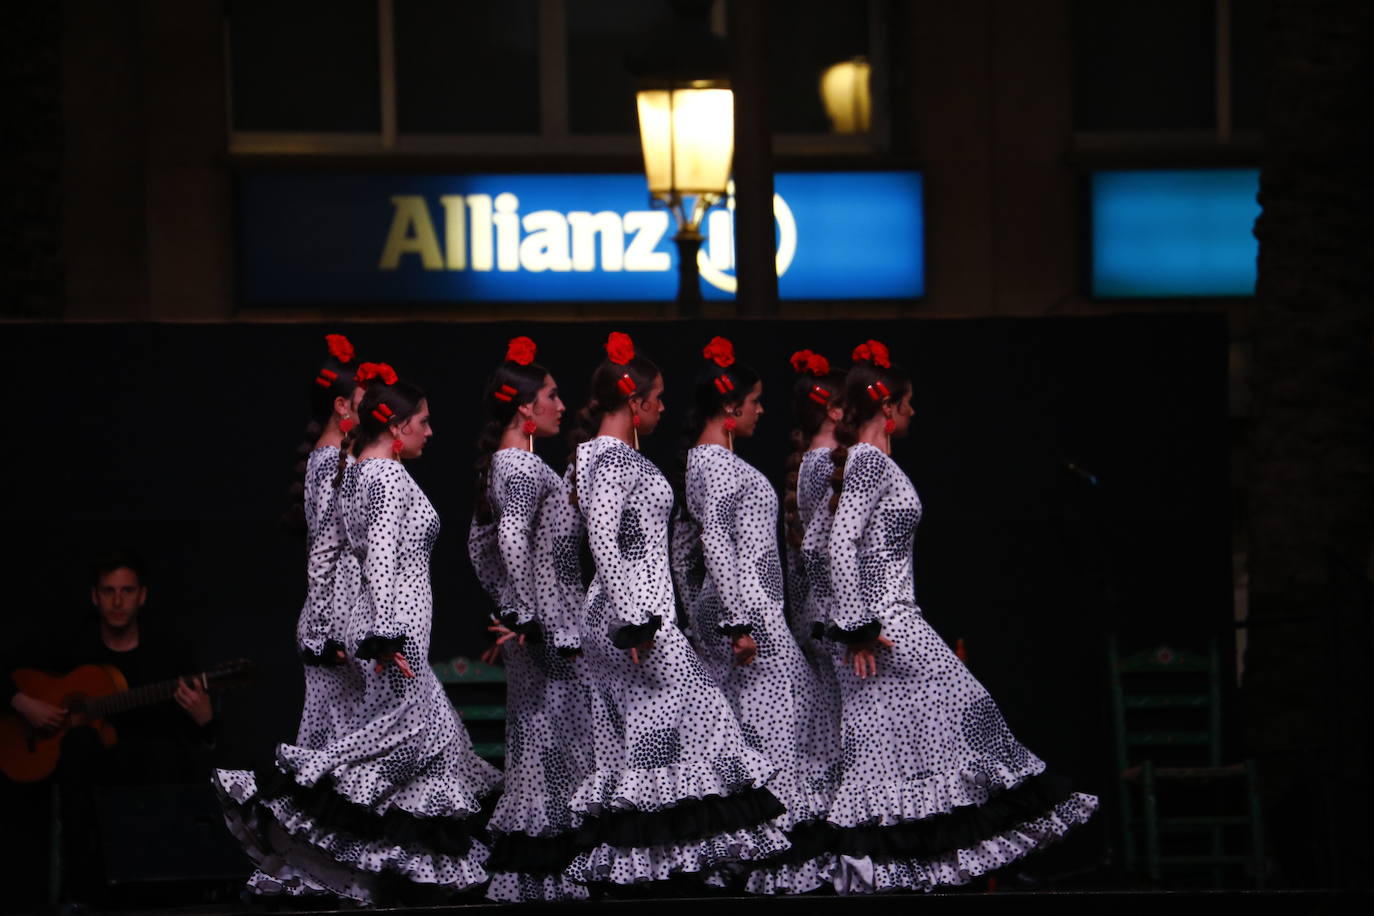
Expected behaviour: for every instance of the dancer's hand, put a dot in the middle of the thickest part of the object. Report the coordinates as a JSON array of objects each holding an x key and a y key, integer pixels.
[
  {"x": 745, "y": 649},
  {"x": 395, "y": 658},
  {"x": 863, "y": 656},
  {"x": 504, "y": 635},
  {"x": 641, "y": 652}
]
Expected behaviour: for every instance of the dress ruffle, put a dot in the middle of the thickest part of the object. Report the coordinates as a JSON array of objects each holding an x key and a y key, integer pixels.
[
  {"x": 891, "y": 804},
  {"x": 791, "y": 878},
  {"x": 649, "y": 790},
  {"x": 871, "y": 874},
  {"x": 632, "y": 864},
  {"x": 513, "y": 887},
  {"x": 333, "y": 857}
]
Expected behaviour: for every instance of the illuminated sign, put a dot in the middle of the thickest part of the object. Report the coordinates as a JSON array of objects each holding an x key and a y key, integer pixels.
[
  {"x": 370, "y": 238},
  {"x": 1174, "y": 233}
]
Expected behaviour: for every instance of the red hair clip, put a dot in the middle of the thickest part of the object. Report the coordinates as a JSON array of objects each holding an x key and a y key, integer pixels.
[
  {"x": 820, "y": 394},
  {"x": 878, "y": 391},
  {"x": 723, "y": 383},
  {"x": 326, "y": 378},
  {"x": 383, "y": 413},
  {"x": 626, "y": 385},
  {"x": 505, "y": 393}
]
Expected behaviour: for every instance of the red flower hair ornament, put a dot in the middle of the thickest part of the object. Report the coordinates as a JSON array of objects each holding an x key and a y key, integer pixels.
[
  {"x": 369, "y": 371},
  {"x": 720, "y": 351},
  {"x": 520, "y": 351},
  {"x": 339, "y": 347},
  {"x": 806, "y": 361},
  {"x": 872, "y": 351},
  {"x": 620, "y": 349}
]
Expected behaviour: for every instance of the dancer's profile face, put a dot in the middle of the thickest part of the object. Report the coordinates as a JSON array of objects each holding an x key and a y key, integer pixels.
[
  {"x": 901, "y": 415},
  {"x": 650, "y": 408},
  {"x": 547, "y": 408},
  {"x": 414, "y": 433},
  {"x": 749, "y": 411}
]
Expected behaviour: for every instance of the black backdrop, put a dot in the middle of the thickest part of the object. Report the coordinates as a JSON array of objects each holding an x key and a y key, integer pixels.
[{"x": 179, "y": 440}]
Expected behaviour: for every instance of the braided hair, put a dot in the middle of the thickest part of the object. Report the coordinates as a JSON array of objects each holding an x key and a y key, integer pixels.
[
  {"x": 608, "y": 394},
  {"x": 333, "y": 380},
  {"x": 719, "y": 383},
  {"x": 516, "y": 382},
  {"x": 818, "y": 388},
  {"x": 871, "y": 375}
]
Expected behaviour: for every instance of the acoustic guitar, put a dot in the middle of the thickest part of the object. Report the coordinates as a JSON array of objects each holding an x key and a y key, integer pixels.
[{"x": 90, "y": 694}]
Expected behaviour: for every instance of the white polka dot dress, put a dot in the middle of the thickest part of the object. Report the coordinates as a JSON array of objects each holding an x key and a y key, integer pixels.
[
  {"x": 676, "y": 789},
  {"x": 385, "y": 809},
  {"x": 728, "y": 572},
  {"x": 935, "y": 789},
  {"x": 527, "y": 560},
  {"x": 330, "y": 686},
  {"x": 809, "y": 578}
]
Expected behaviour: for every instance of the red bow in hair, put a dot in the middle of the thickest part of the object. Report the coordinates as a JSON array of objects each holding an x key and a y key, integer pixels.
[
  {"x": 520, "y": 351},
  {"x": 878, "y": 391},
  {"x": 723, "y": 383},
  {"x": 626, "y": 385},
  {"x": 383, "y": 413},
  {"x": 326, "y": 378},
  {"x": 720, "y": 351},
  {"x": 620, "y": 349},
  {"x": 505, "y": 393},
  {"x": 339, "y": 347},
  {"x": 820, "y": 394},
  {"x": 369, "y": 371},
  {"x": 872, "y": 351},
  {"x": 806, "y": 361}
]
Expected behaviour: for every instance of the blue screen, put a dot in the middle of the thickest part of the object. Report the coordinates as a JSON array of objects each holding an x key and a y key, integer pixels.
[
  {"x": 1174, "y": 233},
  {"x": 389, "y": 238}
]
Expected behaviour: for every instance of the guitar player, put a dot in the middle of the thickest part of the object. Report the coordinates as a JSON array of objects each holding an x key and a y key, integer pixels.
[
  {"x": 166, "y": 743},
  {"x": 155, "y": 744}
]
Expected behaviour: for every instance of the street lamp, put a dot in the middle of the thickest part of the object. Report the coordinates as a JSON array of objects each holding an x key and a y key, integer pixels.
[{"x": 687, "y": 131}]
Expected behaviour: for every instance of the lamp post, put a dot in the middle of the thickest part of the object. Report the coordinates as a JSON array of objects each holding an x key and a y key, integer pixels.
[{"x": 687, "y": 131}]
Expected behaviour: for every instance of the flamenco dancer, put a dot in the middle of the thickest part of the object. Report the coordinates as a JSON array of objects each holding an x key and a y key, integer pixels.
[
  {"x": 730, "y": 577},
  {"x": 383, "y": 811},
  {"x": 524, "y": 544},
  {"x": 335, "y": 392},
  {"x": 676, "y": 789},
  {"x": 816, "y": 408},
  {"x": 935, "y": 788}
]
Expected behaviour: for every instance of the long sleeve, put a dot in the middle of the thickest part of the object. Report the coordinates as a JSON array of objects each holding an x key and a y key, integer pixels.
[
  {"x": 865, "y": 481},
  {"x": 485, "y": 556},
  {"x": 558, "y": 570},
  {"x": 714, "y": 499},
  {"x": 319, "y": 632},
  {"x": 520, "y": 501},
  {"x": 616, "y": 537},
  {"x": 389, "y": 499}
]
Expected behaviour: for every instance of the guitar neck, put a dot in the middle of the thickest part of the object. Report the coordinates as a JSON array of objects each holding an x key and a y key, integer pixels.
[{"x": 138, "y": 697}]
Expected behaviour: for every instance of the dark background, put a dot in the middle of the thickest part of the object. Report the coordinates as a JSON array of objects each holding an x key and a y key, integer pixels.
[{"x": 179, "y": 440}]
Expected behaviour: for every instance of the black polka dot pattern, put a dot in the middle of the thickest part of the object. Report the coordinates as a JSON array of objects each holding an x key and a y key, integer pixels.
[
  {"x": 774, "y": 695},
  {"x": 400, "y": 751},
  {"x": 526, "y": 559},
  {"x": 922, "y": 737},
  {"x": 665, "y": 734}
]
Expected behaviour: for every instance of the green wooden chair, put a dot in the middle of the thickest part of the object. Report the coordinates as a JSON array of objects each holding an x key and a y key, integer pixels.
[
  {"x": 1166, "y": 712},
  {"x": 478, "y": 693}
]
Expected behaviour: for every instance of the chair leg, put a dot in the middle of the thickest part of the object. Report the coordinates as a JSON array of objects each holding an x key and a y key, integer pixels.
[
  {"x": 1151, "y": 815},
  {"x": 1128, "y": 849},
  {"x": 1256, "y": 824}
]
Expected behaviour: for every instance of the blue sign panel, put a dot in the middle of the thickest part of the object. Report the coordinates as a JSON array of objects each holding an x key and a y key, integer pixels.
[
  {"x": 1174, "y": 233},
  {"x": 379, "y": 238}
]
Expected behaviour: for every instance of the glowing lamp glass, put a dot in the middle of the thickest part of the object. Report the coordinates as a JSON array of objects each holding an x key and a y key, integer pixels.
[
  {"x": 845, "y": 94},
  {"x": 688, "y": 135}
]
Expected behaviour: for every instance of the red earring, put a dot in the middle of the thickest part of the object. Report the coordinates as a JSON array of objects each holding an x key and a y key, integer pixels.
[
  {"x": 634, "y": 418},
  {"x": 345, "y": 424},
  {"x": 889, "y": 426},
  {"x": 529, "y": 428},
  {"x": 729, "y": 424},
  {"x": 396, "y": 446}
]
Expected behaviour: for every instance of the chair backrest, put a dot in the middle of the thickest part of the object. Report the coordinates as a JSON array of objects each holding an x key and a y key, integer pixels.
[{"x": 1166, "y": 698}]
